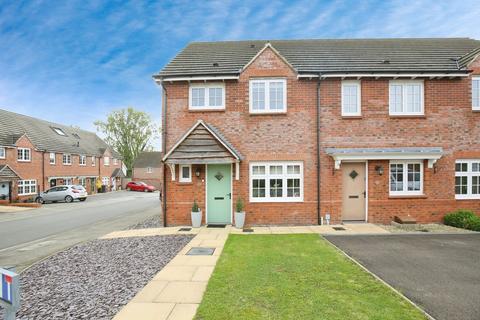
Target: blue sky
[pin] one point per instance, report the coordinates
(74, 61)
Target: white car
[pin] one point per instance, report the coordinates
(67, 193)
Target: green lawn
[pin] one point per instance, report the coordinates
(295, 277)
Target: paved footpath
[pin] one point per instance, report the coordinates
(177, 290)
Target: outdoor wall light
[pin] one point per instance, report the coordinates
(197, 172)
(379, 170)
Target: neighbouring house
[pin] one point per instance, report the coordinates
(36, 155)
(148, 167)
(305, 130)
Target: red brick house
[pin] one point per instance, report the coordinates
(305, 130)
(44, 154)
(148, 167)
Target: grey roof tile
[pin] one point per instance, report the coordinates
(148, 159)
(326, 55)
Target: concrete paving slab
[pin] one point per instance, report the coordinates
(182, 292)
(145, 311)
(183, 311)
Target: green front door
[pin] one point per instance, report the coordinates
(219, 193)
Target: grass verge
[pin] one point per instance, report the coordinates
(295, 277)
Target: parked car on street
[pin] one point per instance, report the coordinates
(67, 193)
(139, 186)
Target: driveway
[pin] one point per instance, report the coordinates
(31, 235)
(441, 273)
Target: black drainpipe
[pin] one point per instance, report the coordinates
(318, 150)
(164, 141)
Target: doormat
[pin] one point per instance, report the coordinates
(185, 229)
(247, 230)
(339, 228)
(216, 226)
(198, 251)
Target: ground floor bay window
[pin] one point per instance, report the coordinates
(276, 181)
(467, 179)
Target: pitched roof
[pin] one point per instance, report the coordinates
(148, 159)
(42, 134)
(7, 173)
(325, 55)
(118, 173)
(203, 143)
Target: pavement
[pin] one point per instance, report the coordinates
(177, 290)
(32, 235)
(439, 272)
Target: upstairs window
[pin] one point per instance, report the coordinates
(2, 153)
(268, 96)
(406, 177)
(207, 96)
(82, 160)
(24, 154)
(351, 98)
(476, 93)
(467, 179)
(406, 98)
(52, 157)
(115, 161)
(276, 182)
(67, 159)
(149, 169)
(93, 161)
(106, 161)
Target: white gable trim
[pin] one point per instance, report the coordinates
(268, 45)
(200, 122)
(199, 78)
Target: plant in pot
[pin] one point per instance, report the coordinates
(196, 215)
(239, 214)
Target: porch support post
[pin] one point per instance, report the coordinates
(171, 166)
(237, 170)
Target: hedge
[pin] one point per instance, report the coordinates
(464, 219)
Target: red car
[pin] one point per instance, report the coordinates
(139, 186)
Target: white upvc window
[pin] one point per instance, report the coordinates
(24, 154)
(476, 93)
(67, 159)
(93, 161)
(351, 98)
(83, 182)
(106, 161)
(2, 153)
(185, 173)
(115, 161)
(276, 181)
(82, 160)
(467, 179)
(406, 177)
(406, 97)
(207, 96)
(27, 187)
(268, 96)
(149, 169)
(105, 181)
(52, 158)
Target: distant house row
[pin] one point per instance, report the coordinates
(36, 155)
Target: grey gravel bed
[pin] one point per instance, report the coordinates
(152, 222)
(94, 280)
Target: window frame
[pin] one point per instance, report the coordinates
(50, 158)
(106, 161)
(403, 83)
(24, 158)
(405, 191)
(358, 86)
(284, 176)
(80, 162)
(469, 174)
(67, 156)
(180, 173)
(115, 161)
(3, 154)
(93, 159)
(267, 82)
(476, 107)
(27, 183)
(149, 170)
(206, 87)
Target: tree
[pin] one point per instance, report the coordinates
(129, 132)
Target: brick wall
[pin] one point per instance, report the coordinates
(154, 178)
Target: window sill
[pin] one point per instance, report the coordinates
(407, 116)
(277, 201)
(476, 110)
(24, 160)
(207, 110)
(472, 198)
(267, 113)
(352, 117)
(408, 196)
(185, 183)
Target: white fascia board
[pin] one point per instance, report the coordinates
(431, 157)
(209, 78)
(384, 75)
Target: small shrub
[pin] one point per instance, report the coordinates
(195, 207)
(239, 205)
(464, 219)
